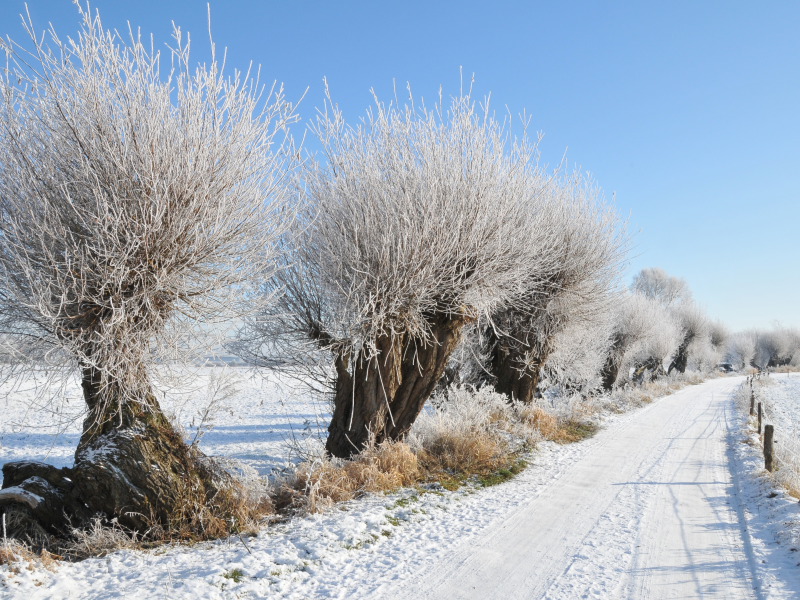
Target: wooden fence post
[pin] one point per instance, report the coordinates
(768, 435)
(759, 418)
(752, 402)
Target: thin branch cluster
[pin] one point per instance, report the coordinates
(413, 215)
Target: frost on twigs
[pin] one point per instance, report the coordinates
(138, 202)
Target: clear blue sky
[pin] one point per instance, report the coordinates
(689, 111)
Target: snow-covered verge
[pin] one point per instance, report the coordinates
(768, 508)
(356, 549)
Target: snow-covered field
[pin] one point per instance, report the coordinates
(782, 392)
(255, 425)
(380, 545)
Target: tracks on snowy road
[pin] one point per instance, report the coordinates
(652, 511)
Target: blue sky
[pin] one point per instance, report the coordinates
(688, 111)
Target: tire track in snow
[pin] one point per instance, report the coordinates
(646, 514)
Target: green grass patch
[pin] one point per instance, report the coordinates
(503, 474)
(575, 432)
(235, 574)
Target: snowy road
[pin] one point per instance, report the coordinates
(653, 511)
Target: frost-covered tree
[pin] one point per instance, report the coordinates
(707, 352)
(655, 283)
(695, 333)
(589, 248)
(136, 203)
(741, 350)
(776, 347)
(416, 222)
(644, 335)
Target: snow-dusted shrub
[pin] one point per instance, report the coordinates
(416, 223)
(318, 484)
(461, 432)
(461, 411)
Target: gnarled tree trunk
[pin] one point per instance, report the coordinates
(610, 371)
(654, 365)
(422, 367)
(362, 397)
(131, 463)
(383, 396)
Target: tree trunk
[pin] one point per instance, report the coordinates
(516, 374)
(131, 463)
(654, 365)
(382, 397)
(613, 363)
(610, 372)
(362, 397)
(422, 368)
(682, 357)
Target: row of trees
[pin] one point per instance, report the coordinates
(608, 338)
(421, 247)
(763, 349)
(416, 227)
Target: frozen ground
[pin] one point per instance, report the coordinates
(253, 425)
(782, 392)
(665, 501)
(662, 505)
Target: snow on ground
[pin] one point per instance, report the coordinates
(358, 548)
(783, 395)
(655, 509)
(771, 514)
(255, 425)
(375, 546)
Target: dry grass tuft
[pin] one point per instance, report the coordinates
(458, 454)
(539, 419)
(240, 503)
(99, 538)
(317, 485)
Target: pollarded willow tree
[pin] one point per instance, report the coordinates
(589, 249)
(416, 223)
(135, 206)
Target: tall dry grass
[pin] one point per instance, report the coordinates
(317, 485)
